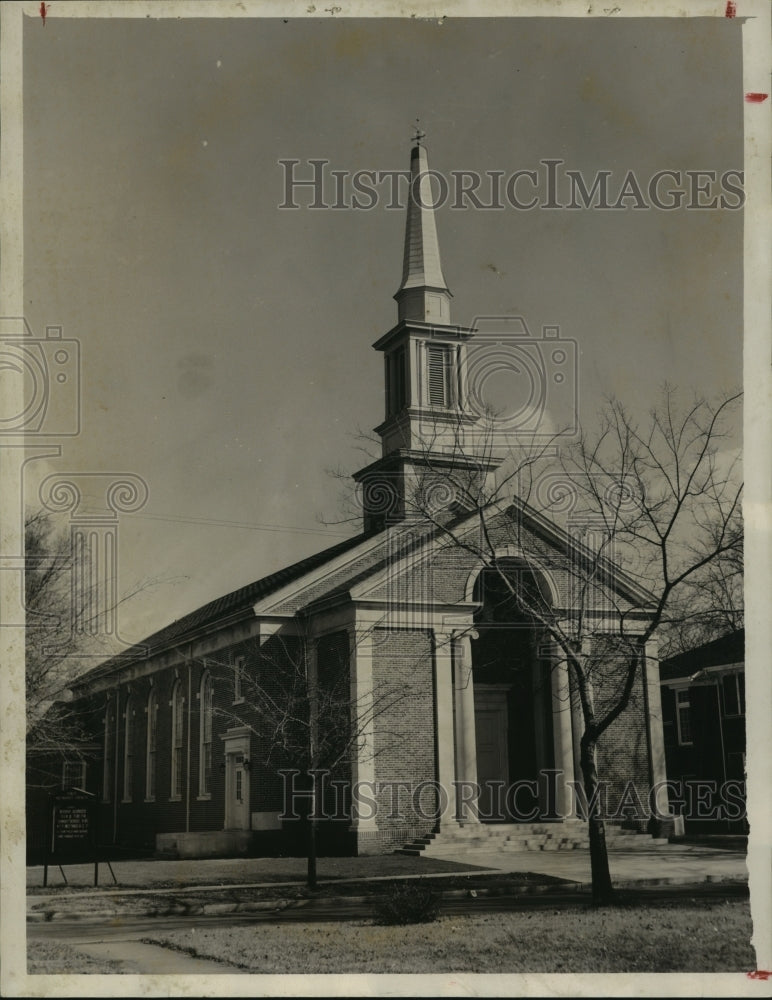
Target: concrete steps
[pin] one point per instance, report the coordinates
(510, 837)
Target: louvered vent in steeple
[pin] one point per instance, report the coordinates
(437, 375)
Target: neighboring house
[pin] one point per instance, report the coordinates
(703, 714)
(447, 681)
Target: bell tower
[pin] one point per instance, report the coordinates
(428, 464)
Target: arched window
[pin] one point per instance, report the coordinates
(178, 716)
(205, 736)
(152, 744)
(128, 750)
(239, 675)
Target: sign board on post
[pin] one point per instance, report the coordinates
(72, 830)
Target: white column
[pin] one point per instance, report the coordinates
(577, 722)
(415, 361)
(656, 740)
(363, 759)
(563, 737)
(443, 721)
(539, 696)
(466, 742)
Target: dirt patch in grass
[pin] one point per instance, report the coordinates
(52, 958)
(707, 936)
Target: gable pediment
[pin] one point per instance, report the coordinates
(418, 563)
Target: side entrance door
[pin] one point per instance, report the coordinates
(236, 792)
(237, 814)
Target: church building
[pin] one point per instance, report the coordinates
(399, 665)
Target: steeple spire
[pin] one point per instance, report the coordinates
(426, 434)
(423, 294)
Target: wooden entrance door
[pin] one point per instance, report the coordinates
(236, 792)
(491, 719)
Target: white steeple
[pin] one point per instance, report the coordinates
(424, 433)
(423, 294)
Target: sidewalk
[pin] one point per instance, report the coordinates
(140, 958)
(162, 887)
(672, 862)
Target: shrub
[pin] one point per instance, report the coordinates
(410, 903)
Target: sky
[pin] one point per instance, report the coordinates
(226, 343)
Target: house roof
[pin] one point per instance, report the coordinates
(727, 649)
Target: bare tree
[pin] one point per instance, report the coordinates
(711, 604)
(297, 697)
(62, 638)
(651, 512)
(54, 645)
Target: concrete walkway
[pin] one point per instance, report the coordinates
(668, 863)
(671, 862)
(152, 960)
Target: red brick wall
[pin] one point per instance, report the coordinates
(135, 823)
(443, 575)
(404, 735)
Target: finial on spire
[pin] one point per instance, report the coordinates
(418, 134)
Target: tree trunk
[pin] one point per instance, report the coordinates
(312, 823)
(602, 889)
(313, 758)
(311, 845)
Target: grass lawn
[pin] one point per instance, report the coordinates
(48, 958)
(688, 936)
(158, 873)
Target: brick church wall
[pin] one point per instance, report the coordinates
(132, 822)
(404, 734)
